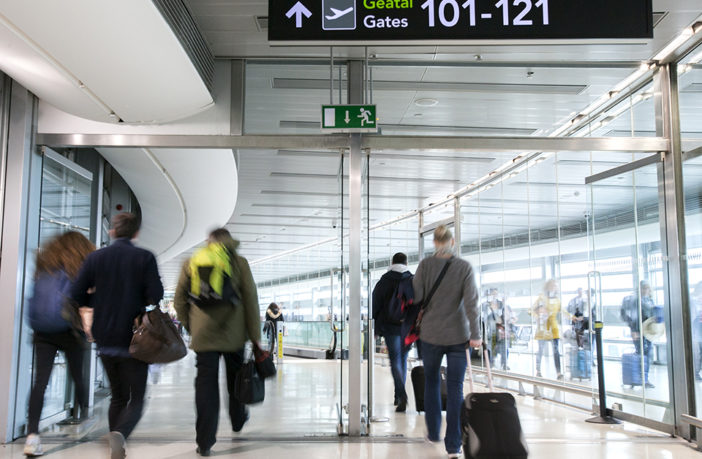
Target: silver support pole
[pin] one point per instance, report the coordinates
(371, 365)
(355, 377)
(97, 218)
(457, 224)
(421, 236)
(355, 95)
(675, 274)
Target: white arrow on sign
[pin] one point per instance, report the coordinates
(347, 119)
(298, 10)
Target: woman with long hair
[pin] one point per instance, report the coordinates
(546, 311)
(57, 265)
(449, 325)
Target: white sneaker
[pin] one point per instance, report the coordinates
(117, 445)
(32, 447)
(455, 455)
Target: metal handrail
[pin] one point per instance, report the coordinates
(566, 387)
(693, 421)
(538, 382)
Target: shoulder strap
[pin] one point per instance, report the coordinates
(425, 303)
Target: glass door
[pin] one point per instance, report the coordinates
(625, 252)
(66, 193)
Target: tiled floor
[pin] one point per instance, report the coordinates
(298, 421)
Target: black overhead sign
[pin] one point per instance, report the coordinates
(445, 21)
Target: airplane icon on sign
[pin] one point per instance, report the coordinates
(338, 13)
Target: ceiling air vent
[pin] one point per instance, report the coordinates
(311, 83)
(181, 21)
(261, 23)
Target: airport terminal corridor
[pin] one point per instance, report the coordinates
(298, 421)
(302, 168)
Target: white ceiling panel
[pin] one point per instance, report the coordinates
(126, 56)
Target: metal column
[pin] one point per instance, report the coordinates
(457, 225)
(20, 222)
(672, 206)
(355, 96)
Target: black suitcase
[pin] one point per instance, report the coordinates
(417, 376)
(490, 424)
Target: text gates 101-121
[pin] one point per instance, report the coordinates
(386, 21)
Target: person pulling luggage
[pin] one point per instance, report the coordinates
(450, 323)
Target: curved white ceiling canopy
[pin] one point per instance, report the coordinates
(106, 63)
(183, 193)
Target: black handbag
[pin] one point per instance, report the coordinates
(249, 387)
(264, 362)
(156, 339)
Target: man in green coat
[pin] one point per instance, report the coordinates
(217, 303)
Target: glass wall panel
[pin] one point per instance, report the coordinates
(632, 116)
(65, 205)
(627, 254)
(545, 301)
(692, 175)
(690, 76)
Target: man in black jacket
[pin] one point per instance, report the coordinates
(118, 282)
(387, 324)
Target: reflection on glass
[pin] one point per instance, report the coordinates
(545, 313)
(690, 73)
(627, 254)
(65, 206)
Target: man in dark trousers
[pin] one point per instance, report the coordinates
(219, 329)
(118, 282)
(387, 324)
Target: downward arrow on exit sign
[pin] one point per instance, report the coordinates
(349, 118)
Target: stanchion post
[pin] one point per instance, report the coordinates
(280, 332)
(603, 418)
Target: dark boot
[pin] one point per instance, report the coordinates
(401, 405)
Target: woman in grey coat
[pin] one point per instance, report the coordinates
(449, 325)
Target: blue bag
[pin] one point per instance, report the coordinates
(46, 304)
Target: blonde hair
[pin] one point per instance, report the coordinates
(442, 234)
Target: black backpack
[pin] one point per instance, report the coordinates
(402, 296)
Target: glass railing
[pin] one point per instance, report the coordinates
(317, 335)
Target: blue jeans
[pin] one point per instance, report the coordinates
(455, 374)
(542, 351)
(647, 352)
(398, 364)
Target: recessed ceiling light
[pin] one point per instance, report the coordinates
(426, 102)
(418, 115)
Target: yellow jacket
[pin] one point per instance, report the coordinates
(545, 313)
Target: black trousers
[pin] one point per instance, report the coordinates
(207, 395)
(45, 347)
(128, 385)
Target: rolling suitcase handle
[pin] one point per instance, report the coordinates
(487, 365)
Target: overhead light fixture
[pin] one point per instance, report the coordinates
(677, 42)
(578, 118)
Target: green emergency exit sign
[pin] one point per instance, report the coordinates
(349, 118)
